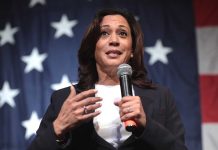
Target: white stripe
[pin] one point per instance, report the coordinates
(207, 45)
(210, 136)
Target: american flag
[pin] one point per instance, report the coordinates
(39, 40)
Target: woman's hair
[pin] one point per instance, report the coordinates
(88, 75)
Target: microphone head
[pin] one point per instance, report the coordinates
(124, 69)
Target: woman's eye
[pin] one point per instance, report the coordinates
(104, 33)
(123, 34)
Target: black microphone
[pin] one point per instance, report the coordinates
(125, 72)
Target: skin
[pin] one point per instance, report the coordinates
(113, 48)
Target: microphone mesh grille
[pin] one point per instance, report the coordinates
(124, 69)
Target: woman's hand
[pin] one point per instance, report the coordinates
(131, 109)
(75, 110)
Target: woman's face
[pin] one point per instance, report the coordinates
(114, 46)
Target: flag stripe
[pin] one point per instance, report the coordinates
(210, 136)
(209, 98)
(207, 44)
(206, 12)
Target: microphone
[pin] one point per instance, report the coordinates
(125, 72)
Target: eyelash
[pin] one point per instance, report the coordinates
(104, 33)
(121, 33)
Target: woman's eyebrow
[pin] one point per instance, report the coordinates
(120, 26)
(104, 26)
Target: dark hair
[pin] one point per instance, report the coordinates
(88, 75)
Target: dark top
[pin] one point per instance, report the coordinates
(164, 129)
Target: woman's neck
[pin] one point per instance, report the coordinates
(107, 77)
(107, 81)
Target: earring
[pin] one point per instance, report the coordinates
(131, 55)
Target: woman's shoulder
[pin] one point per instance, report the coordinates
(160, 96)
(61, 94)
(156, 88)
(159, 93)
(64, 92)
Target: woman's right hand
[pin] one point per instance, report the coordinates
(75, 110)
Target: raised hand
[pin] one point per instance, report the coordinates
(75, 110)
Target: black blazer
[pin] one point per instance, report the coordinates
(164, 129)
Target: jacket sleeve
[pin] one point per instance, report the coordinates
(45, 137)
(164, 129)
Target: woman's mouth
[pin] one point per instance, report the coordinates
(113, 53)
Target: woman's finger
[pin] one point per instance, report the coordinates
(89, 101)
(85, 94)
(89, 109)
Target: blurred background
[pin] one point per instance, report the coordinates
(39, 40)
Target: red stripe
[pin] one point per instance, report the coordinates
(209, 98)
(206, 12)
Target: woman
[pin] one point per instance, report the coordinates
(90, 115)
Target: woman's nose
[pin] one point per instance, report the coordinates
(114, 40)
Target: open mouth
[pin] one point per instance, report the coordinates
(113, 53)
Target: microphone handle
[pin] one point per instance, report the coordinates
(126, 90)
(125, 85)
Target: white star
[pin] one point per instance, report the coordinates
(7, 35)
(158, 53)
(31, 125)
(7, 95)
(64, 27)
(64, 83)
(34, 2)
(34, 61)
